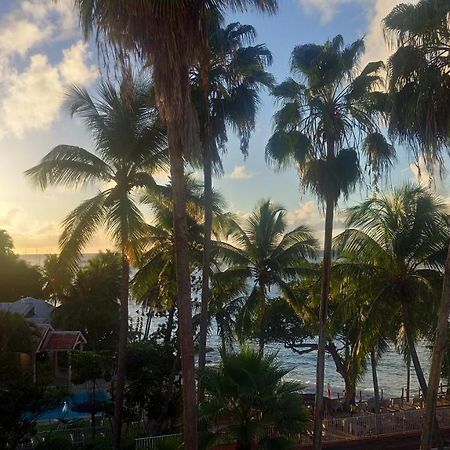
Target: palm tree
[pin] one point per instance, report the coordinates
(6, 243)
(130, 142)
(56, 278)
(398, 242)
(167, 35)
(246, 398)
(332, 107)
(226, 83)
(263, 253)
(419, 89)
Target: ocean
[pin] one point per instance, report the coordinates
(392, 371)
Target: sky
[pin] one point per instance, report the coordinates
(42, 53)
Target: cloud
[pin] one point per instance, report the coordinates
(376, 47)
(309, 214)
(326, 9)
(31, 86)
(239, 173)
(375, 11)
(31, 99)
(73, 67)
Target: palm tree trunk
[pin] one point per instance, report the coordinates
(122, 354)
(439, 348)
(183, 292)
(323, 314)
(417, 367)
(207, 189)
(207, 173)
(376, 389)
(169, 326)
(408, 378)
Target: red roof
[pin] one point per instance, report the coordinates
(62, 340)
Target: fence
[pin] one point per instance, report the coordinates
(381, 424)
(356, 427)
(150, 442)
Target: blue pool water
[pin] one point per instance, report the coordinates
(65, 411)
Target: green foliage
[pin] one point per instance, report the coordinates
(394, 251)
(21, 403)
(261, 251)
(130, 143)
(55, 441)
(152, 385)
(246, 397)
(418, 78)
(91, 305)
(89, 366)
(15, 333)
(17, 278)
(56, 278)
(330, 107)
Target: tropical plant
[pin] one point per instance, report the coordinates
(226, 83)
(324, 119)
(395, 246)
(419, 90)
(56, 278)
(248, 402)
(130, 143)
(6, 243)
(91, 304)
(168, 36)
(262, 253)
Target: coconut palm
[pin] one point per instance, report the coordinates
(167, 35)
(226, 83)
(419, 88)
(398, 241)
(246, 398)
(262, 253)
(6, 243)
(130, 143)
(324, 119)
(56, 278)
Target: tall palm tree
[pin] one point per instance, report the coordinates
(262, 253)
(130, 143)
(167, 35)
(226, 83)
(248, 392)
(331, 108)
(398, 242)
(419, 89)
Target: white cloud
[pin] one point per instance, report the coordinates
(239, 173)
(31, 99)
(73, 67)
(326, 9)
(375, 10)
(376, 47)
(31, 86)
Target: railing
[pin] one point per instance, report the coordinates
(380, 424)
(150, 442)
(82, 435)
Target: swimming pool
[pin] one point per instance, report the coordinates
(67, 409)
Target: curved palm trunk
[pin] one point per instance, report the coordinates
(184, 292)
(122, 354)
(417, 367)
(376, 389)
(206, 270)
(436, 361)
(323, 314)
